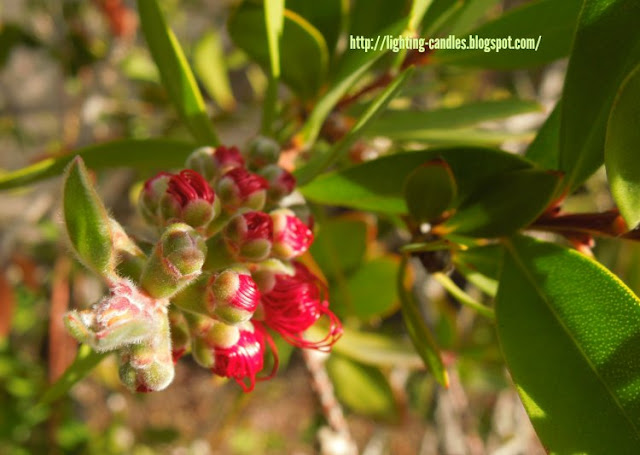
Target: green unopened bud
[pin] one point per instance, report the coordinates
(264, 273)
(148, 366)
(175, 262)
(263, 151)
(208, 334)
(124, 317)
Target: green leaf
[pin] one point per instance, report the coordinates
(86, 220)
(621, 149)
(467, 17)
(418, 9)
(328, 16)
(552, 22)
(606, 48)
(458, 137)
(313, 168)
(375, 349)
(507, 203)
(340, 246)
(430, 190)
(274, 23)
(545, 148)
(377, 185)
(350, 69)
(398, 123)
(300, 42)
(419, 333)
(570, 330)
(372, 290)
(363, 389)
(369, 18)
(141, 154)
(175, 73)
(210, 67)
(86, 360)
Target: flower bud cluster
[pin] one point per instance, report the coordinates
(222, 277)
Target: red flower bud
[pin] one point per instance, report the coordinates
(291, 237)
(188, 198)
(295, 303)
(239, 188)
(233, 296)
(263, 151)
(212, 163)
(151, 195)
(249, 236)
(281, 182)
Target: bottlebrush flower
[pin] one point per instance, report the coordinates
(291, 237)
(243, 360)
(249, 236)
(240, 188)
(295, 303)
(175, 261)
(212, 163)
(232, 296)
(281, 182)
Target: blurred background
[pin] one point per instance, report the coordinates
(76, 73)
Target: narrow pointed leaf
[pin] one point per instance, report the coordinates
(312, 169)
(141, 154)
(507, 203)
(430, 190)
(86, 360)
(599, 63)
(569, 331)
(621, 149)
(210, 67)
(327, 16)
(349, 70)
(175, 72)
(300, 42)
(86, 220)
(419, 333)
(377, 185)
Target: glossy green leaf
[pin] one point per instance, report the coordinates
(328, 16)
(377, 185)
(340, 246)
(300, 42)
(507, 203)
(418, 10)
(429, 190)
(605, 50)
(371, 288)
(621, 149)
(274, 23)
(211, 69)
(86, 220)
(363, 389)
(458, 137)
(419, 333)
(86, 360)
(375, 349)
(552, 22)
(570, 330)
(142, 154)
(314, 167)
(369, 18)
(175, 73)
(545, 148)
(398, 123)
(350, 69)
